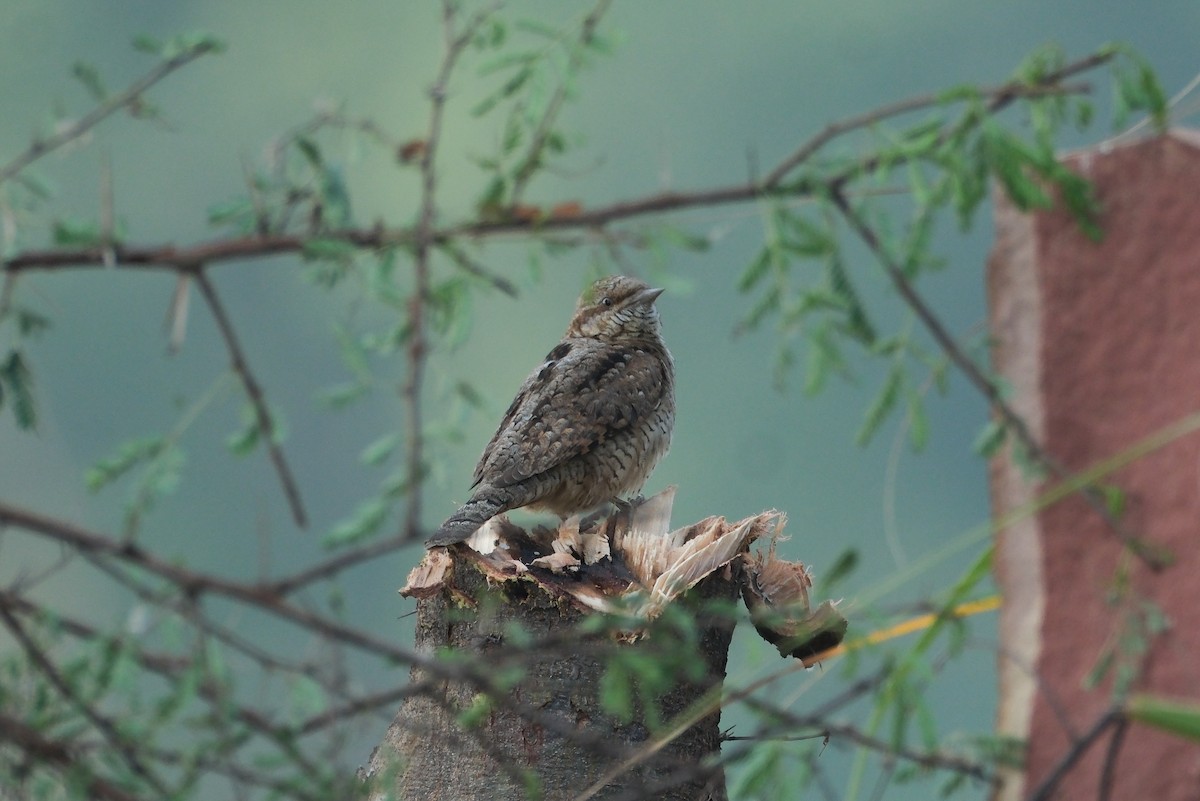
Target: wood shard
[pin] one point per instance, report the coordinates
(557, 562)
(776, 593)
(568, 540)
(600, 563)
(430, 574)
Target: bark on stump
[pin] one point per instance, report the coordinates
(1101, 343)
(551, 723)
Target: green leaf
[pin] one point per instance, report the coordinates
(918, 422)
(342, 395)
(311, 152)
(378, 451)
(30, 323)
(335, 198)
(1084, 113)
(682, 238)
(89, 76)
(365, 521)
(35, 184)
(491, 34)
(184, 689)
(843, 566)
(805, 238)
(510, 88)
(306, 698)
(1114, 499)
(354, 354)
(147, 44)
(821, 357)
(16, 387)
(337, 251)
(927, 727)
(539, 28)
(129, 455)
(883, 404)
(920, 139)
(916, 245)
(755, 271)
(450, 306)
(760, 773)
(990, 438)
(178, 45)
(858, 325)
(72, 232)
(616, 691)
(768, 304)
(1138, 89)
(1175, 716)
(1010, 161)
(1080, 198)
(238, 212)
(477, 712)
(191, 42)
(470, 395)
(243, 442)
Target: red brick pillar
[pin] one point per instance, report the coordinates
(1101, 343)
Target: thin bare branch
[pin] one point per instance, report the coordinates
(342, 561)
(784, 721)
(267, 429)
(129, 97)
(195, 257)
(1078, 748)
(1109, 774)
(469, 265)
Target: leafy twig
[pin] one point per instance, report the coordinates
(223, 250)
(424, 239)
(989, 390)
(129, 97)
(1002, 95)
(537, 144)
(56, 752)
(127, 750)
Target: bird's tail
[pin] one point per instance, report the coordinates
(471, 515)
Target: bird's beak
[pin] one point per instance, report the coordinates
(648, 296)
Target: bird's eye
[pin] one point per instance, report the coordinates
(606, 301)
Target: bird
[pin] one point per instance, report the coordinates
(589, 424)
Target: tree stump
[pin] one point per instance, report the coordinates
(586, 662)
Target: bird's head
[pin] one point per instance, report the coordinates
(615, 309)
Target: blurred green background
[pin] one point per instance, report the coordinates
(697, 94)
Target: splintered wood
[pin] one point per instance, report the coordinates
(631, 560)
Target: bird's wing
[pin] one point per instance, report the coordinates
(584, 393)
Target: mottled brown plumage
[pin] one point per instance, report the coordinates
(589, 424)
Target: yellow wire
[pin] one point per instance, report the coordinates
(918, 623)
